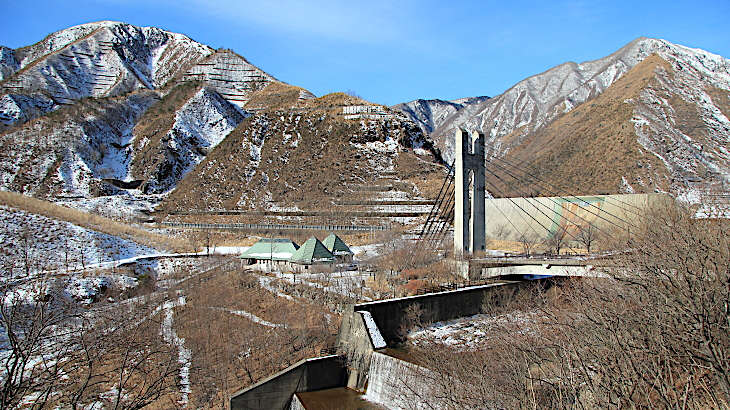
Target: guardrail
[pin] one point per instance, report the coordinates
(331, 214)
(452, 286)
(278, 227)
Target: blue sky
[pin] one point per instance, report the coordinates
(398, 50)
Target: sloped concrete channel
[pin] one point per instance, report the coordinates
(365, 373)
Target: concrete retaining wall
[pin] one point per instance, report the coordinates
(276, 391)
(354, 342)
(390, 315)
(505, 220)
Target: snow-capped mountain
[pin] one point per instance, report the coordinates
(111, 58)
(109, 108)
(692, 81)
(430, 114)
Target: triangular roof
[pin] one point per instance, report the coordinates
(312, 251)
(278, 249)
(337, 246)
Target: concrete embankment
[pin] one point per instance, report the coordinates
(368, 329)
(276, 392)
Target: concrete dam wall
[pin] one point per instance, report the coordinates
(506, 217)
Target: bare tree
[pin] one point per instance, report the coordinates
(557, 239)
(35, 349)
(528, 243)
(587, 236)
(654, 335)
(500, 231)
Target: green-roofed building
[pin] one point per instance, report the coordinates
(312, 252)
(275, 251)
(338, 247)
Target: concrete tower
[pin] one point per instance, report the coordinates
(469, 222)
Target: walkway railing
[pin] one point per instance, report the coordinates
(278, 227)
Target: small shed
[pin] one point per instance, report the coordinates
(273, 251)
(312, 252)
(339, 248)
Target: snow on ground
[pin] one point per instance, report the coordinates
(388, 146)
(85, 289)
(470, 332)
(403, 208)
(127, 205)
(363, 252)
(394, 195)
(53, 244)
(279, 208)
(346, 283)
(184, 354)
(375, 336)
(265, 282)
(229, 250)
(253, 318)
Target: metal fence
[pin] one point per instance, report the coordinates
(453, 286)
(279, 227)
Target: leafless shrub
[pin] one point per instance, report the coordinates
(557, 239)
(655, 334)
(60, 355)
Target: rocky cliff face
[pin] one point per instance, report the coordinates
(8, 63)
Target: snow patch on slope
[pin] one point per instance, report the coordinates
(89, 144)
(51, 244)
(200, 125)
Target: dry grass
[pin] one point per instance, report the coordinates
(594, 145)
(721, 99)
(504, 245)
(276, 96)
(91, 221)
(322, 167)
(332, 103)
(426, 175)
(230, 351)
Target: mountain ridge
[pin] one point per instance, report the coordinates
(171, 103)
(108, 108)
(511, 118)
